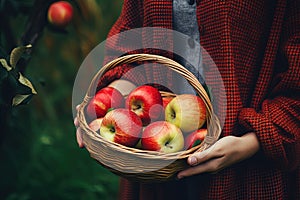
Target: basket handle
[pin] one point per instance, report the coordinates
(175, 66)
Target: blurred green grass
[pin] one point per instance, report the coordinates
(39, 155)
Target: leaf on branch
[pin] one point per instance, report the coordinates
(21, 99)
(17, 53)
(3, 74)
(5, 65)
(15, 89)
(26, 82)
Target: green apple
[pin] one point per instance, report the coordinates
(187, 112)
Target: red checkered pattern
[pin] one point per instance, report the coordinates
(256, 46)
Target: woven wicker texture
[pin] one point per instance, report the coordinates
(137, 164)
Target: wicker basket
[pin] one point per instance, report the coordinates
(137, 164)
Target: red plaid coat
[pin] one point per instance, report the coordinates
(256, 46)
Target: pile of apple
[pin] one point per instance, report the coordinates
(141, 117)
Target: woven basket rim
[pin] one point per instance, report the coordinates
(213, 124)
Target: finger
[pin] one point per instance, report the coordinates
(77, 107)
(76, 123)
(210, 166)
(79, 138)
(198, 157)
(201, 157)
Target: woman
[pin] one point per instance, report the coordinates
(256, 47)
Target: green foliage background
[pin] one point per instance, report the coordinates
(39, 155)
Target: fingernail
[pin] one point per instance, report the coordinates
(81, 145)
(193, 161)
(179, 177)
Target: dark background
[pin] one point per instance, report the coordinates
(39, 156)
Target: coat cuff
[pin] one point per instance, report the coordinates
(271, 143)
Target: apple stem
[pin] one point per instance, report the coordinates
(173, 115)
(136, 107)
(167, 145)
(112, 129)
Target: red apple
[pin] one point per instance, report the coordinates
(121, 126)
(166, 101)
(146, 102)
(95, 124)
(162, 136)
(103, 100)
(60, 14)
(186, 111)
(195, 138)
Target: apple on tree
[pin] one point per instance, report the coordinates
(146, 102)
(60, 14)
(162, 136)
(186, 111)
(121, 126)
(195, 138)
(104, 99)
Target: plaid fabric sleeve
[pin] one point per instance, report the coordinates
(131, 17)
(277, 124)
(128, 190)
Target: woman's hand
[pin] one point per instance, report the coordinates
(225, 152)
(78, 131)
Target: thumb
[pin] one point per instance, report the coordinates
(203, 156)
